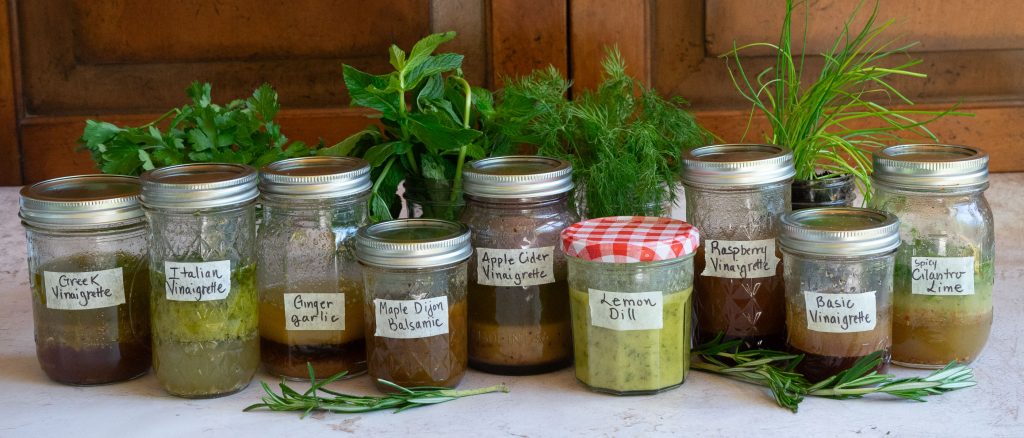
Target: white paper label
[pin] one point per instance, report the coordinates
(739, 258)
(314, 311)
(408, 319)
(840, 313)
(515, 267)
(204, 281)
(84, 290)
(942, 275)
(626, 311)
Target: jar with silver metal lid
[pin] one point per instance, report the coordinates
(87, 243)
(310, 284)
(838, 269)
(415, 280)
(203, 264)
(516, 208)
(945, 266)
(735, 195)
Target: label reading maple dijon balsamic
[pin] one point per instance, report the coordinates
(84, 290)
(409, 319)
(740, 258)
(840, 313)
(203, 281)
(942, 275)
(309, 311)
(515, 267)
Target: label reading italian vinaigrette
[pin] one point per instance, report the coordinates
(84, 290)
(311, 311)
(942, 275)
(515, 267)
(626, 311)
(740, 258)
(203, 281)
(409, 319)
(840, 313)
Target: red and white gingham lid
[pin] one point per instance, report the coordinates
(630, 239)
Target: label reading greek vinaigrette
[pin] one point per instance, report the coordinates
(408, 319)
(84, 290)
(840, 313)
(942, 275)
(626, 311)
(515, 267)
(203, 281)
(740, 258)
(314, 311)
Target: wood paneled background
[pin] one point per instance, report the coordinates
(62, 61)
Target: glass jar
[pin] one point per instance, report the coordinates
(838, 269)
(432, 198)
(87, 243)
(945, 267)
(735, 195)
(415, 280)
(630, 280)
(516, 207)
(310, 284)
(203, 268)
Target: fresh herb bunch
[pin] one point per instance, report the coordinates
(625, 142)
(243, 131)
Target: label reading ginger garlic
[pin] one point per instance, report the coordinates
(311, 311)
(840, 313)
(515, 267)
(739, 258)
(942, 276)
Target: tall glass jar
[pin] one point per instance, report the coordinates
(203, 268)
(310, 284)
(87, 244)
(415, 280)
(945, 267)
(630, 281)
(735, 195)
(838, 269)
(516, 207)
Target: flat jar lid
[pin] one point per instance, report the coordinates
(316, 177)
(840, 231)
(931, 166)
(413, 243)
(630, 239)
(738, 164)
(517, 176)
(199, 186)
(83, 201)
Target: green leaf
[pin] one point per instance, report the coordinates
(121, 161)
(378, 154)
(362, 86)
(355, 145)
(436, 136)
(433, 167)
(147, 162)
(397, 57)
(425, 47)
(475, 151)
(264, 102)
(200, 93)
(97, 133)
(432, 65)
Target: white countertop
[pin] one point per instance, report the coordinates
(546, 405)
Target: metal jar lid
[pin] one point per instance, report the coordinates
(931, 166)
(316, 177)
(840, 231)
(413, 243)
(83, 201)
(738, 165)
(199, 186)
(517, 176)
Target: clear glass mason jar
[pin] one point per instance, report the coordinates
(416, 310)
(87, 243)
(432, 199)
(735, 195)
(945, 268)
(516, 208)
(630, 281)
(838, 270)
(310, 284)
(203, 269)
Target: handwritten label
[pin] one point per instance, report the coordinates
(204, 281)
(739, 258)
(626, 311)
(409, 319)
(515, 267)
(84, 290)
(942, 275)
(314, 311)
(840, 313)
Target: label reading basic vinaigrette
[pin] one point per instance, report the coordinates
(740, 258)
(515, 267)
(314, 311)
(203, 281)
(84, 290)
(840, 313)
(408, 319)
(626, 311)
(942, 275)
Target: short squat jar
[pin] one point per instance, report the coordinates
(945, 267)
(630, 281)
(310, 284)
(203, 269)
(87, 244)
(838, 271)
(735, 196)
(415, 293)
(516, 207)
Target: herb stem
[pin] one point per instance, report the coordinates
(403, 123)
(457, 186)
